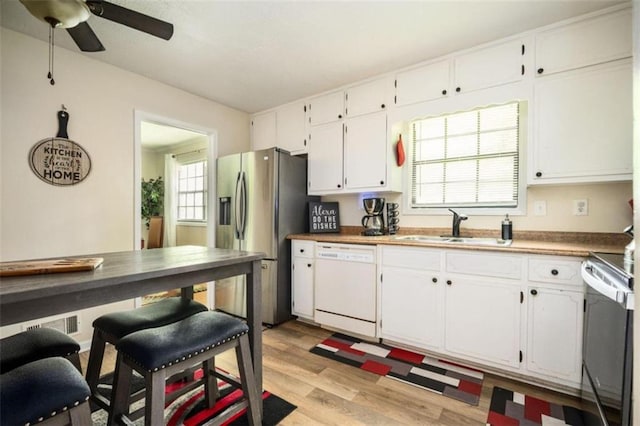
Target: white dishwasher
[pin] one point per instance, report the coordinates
(345, 287)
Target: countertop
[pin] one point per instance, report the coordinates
(577, 244)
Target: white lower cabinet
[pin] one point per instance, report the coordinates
(515, 313)
(415, 320)
(302, 260)
(554, 333)
(482, 319)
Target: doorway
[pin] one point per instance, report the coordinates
(179, 158)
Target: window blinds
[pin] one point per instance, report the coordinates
(467, 158)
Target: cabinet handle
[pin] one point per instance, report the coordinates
(444, 92)
(301, 250)
(540, 70)
(308, 265)
(381, 182)
(534, 291)
(458, 89)
(449, 282)
(339, 186)
(305, 142)
(382, 106)
(538, 174)
(434, 279)
(554, 272)
(339, 115)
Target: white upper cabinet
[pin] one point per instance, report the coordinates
(489, 67)
(291, 127)
(326, 108)
(596, 40)
(423, 84)
(365, 152)
(366, 98)
(324, 160)
(263, 131)
(583, 125)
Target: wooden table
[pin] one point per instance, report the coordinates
(129, 274)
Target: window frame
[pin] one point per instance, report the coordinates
(204, 192)
(523, 136)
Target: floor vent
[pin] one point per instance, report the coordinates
(68, 325)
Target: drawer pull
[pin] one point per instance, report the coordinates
(308, 265)
(534, 292)
(449, 282)
(554, 272)
(434, 279)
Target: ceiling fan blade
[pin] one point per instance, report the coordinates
(85, 38)
(131, 18)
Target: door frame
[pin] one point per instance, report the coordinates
(212, 154)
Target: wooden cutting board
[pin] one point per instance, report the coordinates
(33, 267)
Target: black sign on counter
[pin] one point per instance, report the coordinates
(324, 217)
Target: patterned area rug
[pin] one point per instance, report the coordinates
(452, 380)
(510, 408)
(190, 409)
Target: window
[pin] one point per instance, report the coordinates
(192, 191)
(466, 159)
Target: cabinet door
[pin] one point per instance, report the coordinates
(366, 98)
(411, 307)
(263, 131)
(302, 287)
(291, 127)
(365, 151)
(601, 39)
(482, 320)
(326, 108)
(554, 333)
(489, 67)
(423, 84)
(583, 125)
(324, 161)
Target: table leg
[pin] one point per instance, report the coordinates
(254, 320)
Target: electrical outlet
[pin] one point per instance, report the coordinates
(540, 208)
(581, 207)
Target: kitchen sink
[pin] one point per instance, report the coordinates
(480, 241)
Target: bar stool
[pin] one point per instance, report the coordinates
(35, 344)
(47, 391)
(158, 353)
(112, 327)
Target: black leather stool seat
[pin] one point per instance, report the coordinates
(166, 311)
(42, 389)
(32, 345)
(157, 348)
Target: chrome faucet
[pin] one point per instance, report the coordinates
(457, 218)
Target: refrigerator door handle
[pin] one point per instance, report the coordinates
(237, 207)
(242, 201)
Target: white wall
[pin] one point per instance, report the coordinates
(40, 220)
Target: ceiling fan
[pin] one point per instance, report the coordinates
(73, 14)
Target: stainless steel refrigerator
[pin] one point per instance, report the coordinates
(262, 197)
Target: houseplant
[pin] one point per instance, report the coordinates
(152, 198)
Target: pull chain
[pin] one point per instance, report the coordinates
(51, 51)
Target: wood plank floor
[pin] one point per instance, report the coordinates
(327, 392)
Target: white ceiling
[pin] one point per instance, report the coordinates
(254, 55)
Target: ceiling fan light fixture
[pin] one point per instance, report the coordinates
(59, 13)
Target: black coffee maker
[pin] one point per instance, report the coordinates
(373, 221)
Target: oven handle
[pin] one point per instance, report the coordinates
(606, 290)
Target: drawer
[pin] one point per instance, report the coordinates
(555, 270)
(484, 264)
(302, 248)
(414, 258)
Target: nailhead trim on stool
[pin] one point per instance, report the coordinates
(110, 328)
(158, 352)
(43, 389)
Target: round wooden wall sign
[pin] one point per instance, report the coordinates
(60, 161)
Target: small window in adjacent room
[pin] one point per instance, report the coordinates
(192, 191)
(467, 159)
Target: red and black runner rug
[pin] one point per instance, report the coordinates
(436, 375)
